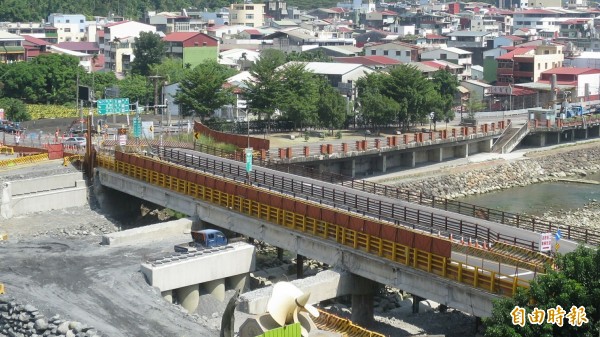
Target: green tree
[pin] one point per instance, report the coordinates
(575, 282)
(14, 109)
(138, 89)
(201, 91)
(377, 109)
(474, 105)
(331, 106)
(170, 69)
(446, 84)
(308, 56)
(263, 90)
(149, 50)
(98, 81)
(299, 96)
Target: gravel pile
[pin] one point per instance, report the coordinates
(25, 321)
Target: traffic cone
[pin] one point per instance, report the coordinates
(451, 240)
(469, 242)
(462, 240)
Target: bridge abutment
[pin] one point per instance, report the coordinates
(485, 145)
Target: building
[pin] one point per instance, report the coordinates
(38, 30)
(454, 55)
(82, 47)
(526, 64)
(547, 19)
(116, 44)
(586, 81)
(11, 48)
(70, 27)
(168, 23)
(85, 60)
(400, 51)
(468, 39)
(247, 14)
(373, 62)
(380, 20)
(34, 47)
(191, 48)
(276, 9)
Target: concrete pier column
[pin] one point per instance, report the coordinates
(558, 134)
(408, 159)
(435, 155)
(362, 301)
(415, 303)
(573, 135)
(216, 288)
(299, 266)
(167, 295)
(237, 282)
(382, 164)
(542, 140)
(485, 145)
(279, 253)
(461, 151)
(189, 297)
(348, 168)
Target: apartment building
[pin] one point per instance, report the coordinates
(251, 15)
(11, 48)
(526, 64)
(69, 27)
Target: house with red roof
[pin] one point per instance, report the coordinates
(578, 78)
(191, 48)
(34, 47)
(526, 64)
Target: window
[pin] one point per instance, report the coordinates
(408, 54)
(249, 16)
(372, 51)
(234, 16)
(203, 44)
(68, 21)
(546, 52)
(539, 66)
(546, 65)
(385, 52)
(67, 30)
(81, 21)
(443, 56)
(398, 53)
(81, 30)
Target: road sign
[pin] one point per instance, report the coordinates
(556, 246)
(137, 127)
(558, 235)
(113, 106)
(545, 242)
(249, 152)
(196, 135)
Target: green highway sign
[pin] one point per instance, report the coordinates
(137, 127)
(249, 159)
(113, 106)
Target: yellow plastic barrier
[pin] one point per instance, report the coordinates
(6, 150)
(71, 159)
(331, 322)
(3, 237)
(24, 160)
(460, 272)
(1, 288)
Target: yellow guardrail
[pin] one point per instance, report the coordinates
(71, 159)
(1, 288)
(473, 276)
(6, 150)
(24, 160)
(331, 322)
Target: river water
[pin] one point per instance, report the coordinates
(539, 198)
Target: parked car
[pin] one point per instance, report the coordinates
(75, 141)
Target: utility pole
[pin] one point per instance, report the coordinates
(155, 79)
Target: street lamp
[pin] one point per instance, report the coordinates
(431, 116)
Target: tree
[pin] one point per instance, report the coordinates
(148, 49)
(99, 81)
(263, 90)
(298, 100)
(474, 105)
(14, 109)
(331, 106)
(170, 69)
(308, 56)
(446, 84)
(201, 91)
(137, 88)
(377, 109)
(575, 282)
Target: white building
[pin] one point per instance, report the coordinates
(117, 43)
(455, 55)
(247, 14)
(70, 27)
(85, 60)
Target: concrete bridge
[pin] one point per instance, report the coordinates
(368, 247)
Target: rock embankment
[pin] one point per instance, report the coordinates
(574, 163)
(17, 320)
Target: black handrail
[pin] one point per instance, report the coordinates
(382, 210)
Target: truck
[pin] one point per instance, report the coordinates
(205, 238)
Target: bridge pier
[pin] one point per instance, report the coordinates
(299, 266)
(461, 151)
(382, 164)
(216, 288)
(485, 145)
(279, 254)
(415, 303)
(436, 155)
(167, 295)
(581, 133)
(189, 297)
(362, 301)
(408, 159)
(594, 131)
(348, 168)
(237, 282)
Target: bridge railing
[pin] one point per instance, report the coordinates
(381, 210)
(152, 171)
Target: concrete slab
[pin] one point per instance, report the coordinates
(150, 232)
